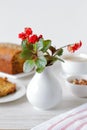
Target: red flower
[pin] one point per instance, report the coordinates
(28, 31)
(80, 43)
(40, 36)
(32, 39)
(27, 35)
(22, 35)
(73, 48)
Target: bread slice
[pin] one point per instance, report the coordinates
(6, 87)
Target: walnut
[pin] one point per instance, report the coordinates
(79, 81)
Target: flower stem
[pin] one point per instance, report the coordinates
(62, 48)
(65, 46)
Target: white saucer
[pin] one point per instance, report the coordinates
(15, 76)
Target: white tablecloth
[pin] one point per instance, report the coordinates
(20, 114)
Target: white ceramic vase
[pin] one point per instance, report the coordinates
(44, 91)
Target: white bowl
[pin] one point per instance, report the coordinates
(78, 90)
(74, 64)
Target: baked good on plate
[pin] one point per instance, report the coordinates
(10, 60)
(6, 87)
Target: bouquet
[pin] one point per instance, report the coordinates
(40, 53)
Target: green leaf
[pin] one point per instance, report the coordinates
(41, 62)
(28, 66)
(55, 59)
(26, 50)
(59, 52)
(26, 54)
(46, 45)
(34, 48)
(60, 59)
(24, 44)
(51, 59)
(40, 53)
(39, 70)
(39, 44)
(30, 47)
(52, 49)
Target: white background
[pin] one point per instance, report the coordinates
(62, 21)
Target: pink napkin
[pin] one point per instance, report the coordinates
(75, 119)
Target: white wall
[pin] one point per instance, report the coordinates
(62, 21)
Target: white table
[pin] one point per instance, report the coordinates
(21, 115)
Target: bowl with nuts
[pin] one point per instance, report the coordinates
(78, 85)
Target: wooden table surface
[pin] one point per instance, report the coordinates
(21, 115)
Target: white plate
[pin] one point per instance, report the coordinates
(20, 91)
(15, 76)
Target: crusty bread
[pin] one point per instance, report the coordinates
(10, 60)
(6, 87)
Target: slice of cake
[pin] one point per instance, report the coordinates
(10, 59)
(6, 87)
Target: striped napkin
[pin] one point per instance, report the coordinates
(75, 119)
